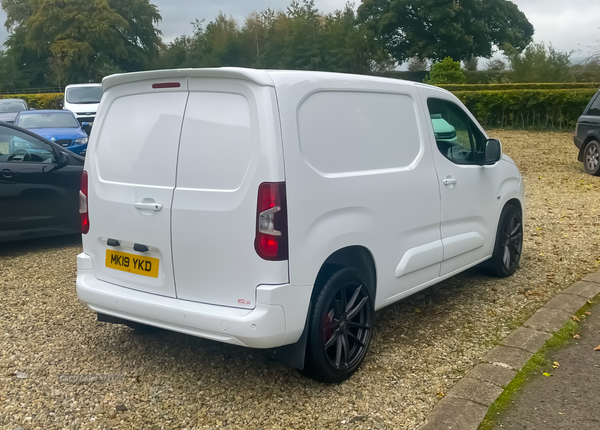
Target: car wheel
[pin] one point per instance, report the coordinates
(591, 158)
(509, 243)
(340, 328)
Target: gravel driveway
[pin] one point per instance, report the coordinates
(421, 347)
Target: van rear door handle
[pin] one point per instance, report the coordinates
(147, 206)
(450, 181)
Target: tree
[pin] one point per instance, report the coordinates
(446, 71)
(497, 65)
(436, 29)
(416, 64)
(538, 63)
(87, 39)
(471, 64)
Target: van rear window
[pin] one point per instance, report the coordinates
(357, 131)
(138, 139)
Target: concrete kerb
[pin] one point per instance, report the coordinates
(466, 404)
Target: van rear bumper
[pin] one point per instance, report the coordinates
(278, 318)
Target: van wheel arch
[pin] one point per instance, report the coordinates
(357, 257)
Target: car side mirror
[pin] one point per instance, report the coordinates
(63, 159)
(492, 152)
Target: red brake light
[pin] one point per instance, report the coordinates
(166, 85)
(83, 204)
(271, 241)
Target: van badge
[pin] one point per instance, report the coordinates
(244, 302)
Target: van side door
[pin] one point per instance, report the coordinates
(469, 191)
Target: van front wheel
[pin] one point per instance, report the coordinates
(341, 325)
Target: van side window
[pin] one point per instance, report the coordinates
(345, 131)
(456, 136)
(594, 109)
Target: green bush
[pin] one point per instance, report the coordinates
(447, 71)
(548, 109)
(491, 87)
(39, 101)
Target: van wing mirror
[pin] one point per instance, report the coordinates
(492, 152)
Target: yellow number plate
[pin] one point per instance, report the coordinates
(131, 263)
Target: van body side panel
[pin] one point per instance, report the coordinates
(359, 171)
(230, 144)
(131, 160)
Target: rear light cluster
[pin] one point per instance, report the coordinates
(271, 222)
(83, 204)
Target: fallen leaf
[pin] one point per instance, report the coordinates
(546, 374)
(440, 394)
(556, 363)
(588, 313)
(575, 318)
(561, 413)
(418, 310)
(576, 337)
(597, 348)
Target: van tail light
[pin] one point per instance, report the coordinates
(83, 204)
(271, 241)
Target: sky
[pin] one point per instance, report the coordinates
(568, 25)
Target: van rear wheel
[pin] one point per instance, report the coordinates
(341, 326)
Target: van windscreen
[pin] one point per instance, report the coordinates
(84, 95)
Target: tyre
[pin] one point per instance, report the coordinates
(340, 327)
(509, 243)
(591, 158)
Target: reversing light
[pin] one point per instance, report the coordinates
(271, 241)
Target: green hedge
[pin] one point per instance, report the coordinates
(548, 109)
(515, 106)
(503, 87)
(39, 101)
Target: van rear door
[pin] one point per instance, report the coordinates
(131, 168)
(230, 144)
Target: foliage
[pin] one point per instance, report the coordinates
(80, 41)
(39, 101)
(416, 64)
(436, 29)
(538, 63)
(503, 87)
(496, 64)
(300, 38)
(471, 64)
(447, 71)
(553, 109)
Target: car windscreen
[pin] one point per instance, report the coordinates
(11, 106)
(47, 120)
(84, 95)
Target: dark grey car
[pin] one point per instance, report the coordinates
(587, 136)
(9, 108)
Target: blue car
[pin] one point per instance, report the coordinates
(57, 126)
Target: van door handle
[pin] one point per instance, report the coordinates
(8, 173)
(450, 181)
(147, 206)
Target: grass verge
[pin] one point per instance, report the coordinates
(537, 364)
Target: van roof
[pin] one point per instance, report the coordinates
(265, 78)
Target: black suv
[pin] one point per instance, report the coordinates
(587, 136)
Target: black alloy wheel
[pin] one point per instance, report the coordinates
(509, 243)
(341, 326)
(591, 158)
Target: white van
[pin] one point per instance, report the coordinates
(274, 208)
(83, 100)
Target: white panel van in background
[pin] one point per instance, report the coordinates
(282, 209)
(83, 100)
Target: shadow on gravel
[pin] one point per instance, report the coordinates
(14, 249)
